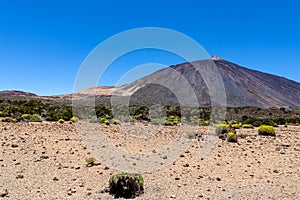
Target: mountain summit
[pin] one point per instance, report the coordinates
(243, 86)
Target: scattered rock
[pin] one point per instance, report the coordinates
(4, 193)
(19, 176)
(14, 145)
(173, 196)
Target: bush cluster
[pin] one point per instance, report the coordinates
(266, 130)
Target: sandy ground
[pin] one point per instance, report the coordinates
(47, 161)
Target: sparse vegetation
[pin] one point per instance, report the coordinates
(73, 119)
(90, 161)
(247, 126)
(116, 121)
(126, 185)
(35, 118)
(236, 126)
(232, 137)
(221, 128)
(61, 121)
(266, 130)
(103, 120)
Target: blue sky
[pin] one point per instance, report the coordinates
(43, 43)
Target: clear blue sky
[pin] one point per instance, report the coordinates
(43, 43)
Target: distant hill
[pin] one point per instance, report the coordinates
(243, 87)
(16, 93)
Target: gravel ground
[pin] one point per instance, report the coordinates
(47, 161)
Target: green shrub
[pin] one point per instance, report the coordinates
(206, 123)
(26, 117)
(171, 121)
(221, 128)
(104, 121)
(1, 114)
(73, 119)
(5, 119)
(35, 118)
(61, 121)
(236, 126)
(116, 121)
(266, 130)
(90, 161)
(14, 120)
(232, 137)
(247, 126)
(126, 185)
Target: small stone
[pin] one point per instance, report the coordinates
(275, 171)
(106, 168)
(177, 178)
(165, 157)
(88, 194)
(19, 176)
(173, 196)
(285, 145)
(44, 157)
(218, 179)
(4, 193)
(55, 179)
(186, 165)
(14, 145)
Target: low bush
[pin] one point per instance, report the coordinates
(35, 118)
(126, 185)
(25, 117)
(5, 119)
(266, 130)
(232, 137)
(104, 121)
(73, 119)
(171, 121)
(206, 123)
(116, 121)
(221, 128)
(247, 126)
(90, 161)
(236, 126)
(61, 121)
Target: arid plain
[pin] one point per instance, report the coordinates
(47, 161)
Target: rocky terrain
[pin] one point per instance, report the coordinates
(47, 161)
